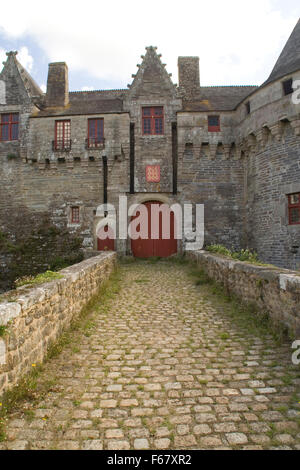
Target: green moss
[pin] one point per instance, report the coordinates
(224, 336)
(3, 330)
(39, 279)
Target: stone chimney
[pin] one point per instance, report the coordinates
(189, 75)
(57, 85)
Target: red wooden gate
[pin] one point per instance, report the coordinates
(108, 244)
(146, 248)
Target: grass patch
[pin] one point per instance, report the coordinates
(246, 255)
(154, 259)
(26, 389)
(142, 281)
(29, 415)
(178, 259)
(39, 279)
(126, 259)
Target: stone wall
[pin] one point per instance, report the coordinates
(36, 317)
(268, 140)
(272, 174)
(209, 173)
(273, 290)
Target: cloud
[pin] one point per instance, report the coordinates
(25, 58)
(87, 88)
(238, 42)
(43, 88)
(2, 57)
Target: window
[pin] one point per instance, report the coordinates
(294, 208)
(9, 127)
(248, 107)
(75, 215)
(62, 135)
(153, 120)
(214, 124)
(95, 133)
(288, 87)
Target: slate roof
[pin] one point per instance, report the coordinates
(289, 59)
(31, 86)
(218, 98)
(208, 99)
(87, 102)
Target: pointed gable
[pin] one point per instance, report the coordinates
(289, 59)
(152, 79)
(19, 85)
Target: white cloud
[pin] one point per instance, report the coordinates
(2, 57)
(25, 58)
(238, 42)
(43, 88)
(87, 88)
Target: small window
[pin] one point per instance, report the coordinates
(9, 127)
(288, 87)
(62, 135)
(75, 215)
(153, 120)
(95, 133)
(248, 107)
(214, 124)
(294, 208)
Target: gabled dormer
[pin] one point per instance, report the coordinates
(151, 79)
(17, 87)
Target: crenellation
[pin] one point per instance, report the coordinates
(239, 169)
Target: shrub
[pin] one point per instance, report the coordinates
(242, 255)
(246, 255)
(222, 250)
(12, 156)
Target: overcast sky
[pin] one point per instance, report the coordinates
(238, 42)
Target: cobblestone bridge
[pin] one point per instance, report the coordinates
(162, 365)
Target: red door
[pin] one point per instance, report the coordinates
(146, 248)
(108, 244)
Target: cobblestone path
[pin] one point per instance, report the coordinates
(163, 367)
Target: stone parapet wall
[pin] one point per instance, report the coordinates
(274, 290)
(35, 317)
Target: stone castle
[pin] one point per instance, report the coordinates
(235, 149)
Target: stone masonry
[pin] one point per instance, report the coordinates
(274, 291)
(243, 171)
(163, 366)
(35, 317)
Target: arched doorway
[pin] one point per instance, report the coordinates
(147, 248)
(108, 243)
